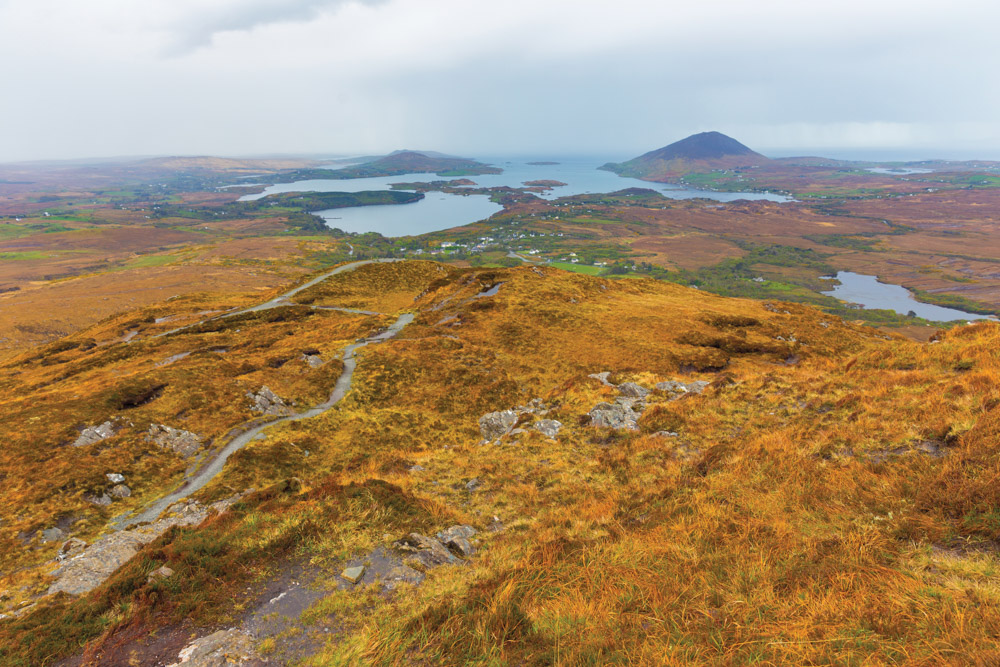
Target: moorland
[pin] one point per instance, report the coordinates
(527, 440)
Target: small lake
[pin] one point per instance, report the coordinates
(870, 293)
(899, 171)
(438, 210)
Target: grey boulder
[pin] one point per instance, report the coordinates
(268, 403)
(94, 434)
(632, 390)
(619, 415)
(548, 427)
(497, 424)
(184, 443)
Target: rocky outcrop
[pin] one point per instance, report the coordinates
(449, 545)
(677, 389)
(224, 648)
(626, 409)
(268, 403)
(120, 491)
(602, 377)
(632, 390)
(495, 425)
(95, 434)
(427, 550)
(617, 415)
(88, 567)
(102, 500)
(457, 539)
(313, 360)
(52, 535)
(184, 443)
(547, 427)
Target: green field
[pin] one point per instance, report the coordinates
(578, 268)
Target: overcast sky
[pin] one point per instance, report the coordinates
(84, 78)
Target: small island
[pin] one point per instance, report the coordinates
(545, 183)
(426, 186)
(541, 163)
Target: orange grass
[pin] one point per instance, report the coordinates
(769, 531)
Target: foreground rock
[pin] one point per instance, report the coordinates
(184, 443)
(677, 389)
(297, 592)
(548, 427)
(86, 569)
(427, 550)
(220, 649)
(313, 360)
(442, 550)
(617, 415)
(497, 424)
(626, 410)
(633, 390)
(268, 403)
(457, 539)
(95, 434)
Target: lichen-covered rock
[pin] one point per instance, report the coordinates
(94, 434)
(162, 572)
(184, 443)
(427, 550)
(457, 538)
(602, 377)
(460, 546)
(456, 531)
(677, 389)
(102, 500)
(52, 535)
(497, 424)
(120, 491)
(401, 574)
(115, 478)
(548, 427)
(71, 548)
(268, 403)
(87, 568)
(313, 360)
(618, 415)
(224, 648)
(632, 390)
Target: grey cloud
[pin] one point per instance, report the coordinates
(197, 31)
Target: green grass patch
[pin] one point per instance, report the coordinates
(150, 261)
(578, 268)
(22, 256)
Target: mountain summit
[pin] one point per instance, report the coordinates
(701, 146)
(704, 151)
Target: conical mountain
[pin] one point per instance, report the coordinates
(701, 152)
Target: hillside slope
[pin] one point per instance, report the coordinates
(632, 471)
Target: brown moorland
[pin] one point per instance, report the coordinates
(830, 496)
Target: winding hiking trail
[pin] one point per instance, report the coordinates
(199, 478)
(285, 299)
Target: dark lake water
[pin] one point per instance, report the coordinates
(870, 293)
(439, 210)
